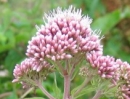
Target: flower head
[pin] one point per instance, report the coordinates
(65, 33)
(106, 65)
(31, 70)
(124, 81)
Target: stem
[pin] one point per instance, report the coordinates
(66, 87)
(3, 95)
(45, 92)
(60, 68)
(97, 95)
(73, 66)
(27, 92)
(83, 85)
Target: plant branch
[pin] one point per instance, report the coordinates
(27, 92)
(60, 68)
(73, 66)
(97, 95)
(5, 94)
(45, 92)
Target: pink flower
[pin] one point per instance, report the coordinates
(106, 65)
(31, 70)
(124, 81)
(65, 33)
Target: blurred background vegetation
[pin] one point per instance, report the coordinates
(17, 25)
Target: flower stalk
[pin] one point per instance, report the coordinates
(45, 91)
(97, 95)
(67, 81)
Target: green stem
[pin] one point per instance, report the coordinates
(27, 92)
(73, 66)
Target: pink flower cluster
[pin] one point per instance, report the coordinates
(66, 33)
(106, 65)
(28, 68)
(124, 82)
(114, 69)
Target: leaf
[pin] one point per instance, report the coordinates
(56, 89)
(107, 22)
(86, 90)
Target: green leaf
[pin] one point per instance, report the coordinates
(107, 22)
(86, 90)
(56, 89)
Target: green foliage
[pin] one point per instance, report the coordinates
(107, 22)
(57, 91)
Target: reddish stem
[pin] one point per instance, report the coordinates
(97, 95)
(45, 92)
(66, 87)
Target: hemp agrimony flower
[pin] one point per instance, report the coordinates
(30, 71)
(106, 65)
(124, 82)
(65, 34)
(67, 44)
